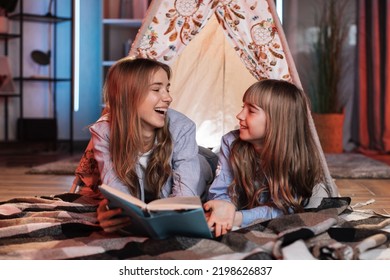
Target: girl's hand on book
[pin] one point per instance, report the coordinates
(221, 216)
(108, 219)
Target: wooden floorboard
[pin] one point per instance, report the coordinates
(14, 182)
(363, 190)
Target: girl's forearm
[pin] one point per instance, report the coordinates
(237, 219)
(261, 212)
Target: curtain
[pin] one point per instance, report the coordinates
(372, 130)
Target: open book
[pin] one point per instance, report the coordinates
(160, 218)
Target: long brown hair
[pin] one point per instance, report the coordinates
(288, 166)
(126, 86)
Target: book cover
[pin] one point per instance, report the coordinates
(160, 218)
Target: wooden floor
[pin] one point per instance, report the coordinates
(14, 182)
(364, 190)
(16, 160)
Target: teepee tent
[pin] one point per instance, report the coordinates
(217, 49)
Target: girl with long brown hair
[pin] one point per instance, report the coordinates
(271, 165)
(142, 147)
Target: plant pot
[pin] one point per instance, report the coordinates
(3, 24)
(330, 131)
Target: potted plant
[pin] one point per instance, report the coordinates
(325, 90)
(6, 7)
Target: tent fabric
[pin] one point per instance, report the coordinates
(210, 90)
(209, 75)
(250, 26)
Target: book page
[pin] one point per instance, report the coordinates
(128, 197)
(175, 203)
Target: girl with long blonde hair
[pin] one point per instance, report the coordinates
(271, 165)
(142, 147)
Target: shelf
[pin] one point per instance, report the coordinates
(108, 63)
(123, 22)
(30, 19)
(8, 36)
(42, 79)
(48, 18)
(9, 94)
(118, 31)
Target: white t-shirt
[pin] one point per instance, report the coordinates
(141, 168)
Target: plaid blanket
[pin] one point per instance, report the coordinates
(65, 227)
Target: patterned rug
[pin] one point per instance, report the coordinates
(340, 166)
(65, 166)
(356, 166)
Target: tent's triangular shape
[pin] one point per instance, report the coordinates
(210, 90)
(217, 48)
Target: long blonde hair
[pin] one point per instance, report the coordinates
(288, 166)
(126, 86)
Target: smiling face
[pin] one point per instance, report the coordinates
(152, 110)
(252, 121)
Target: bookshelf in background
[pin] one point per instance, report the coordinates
(28, 128)
(121, 22)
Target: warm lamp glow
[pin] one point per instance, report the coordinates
(279, 10)
(76, 101)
